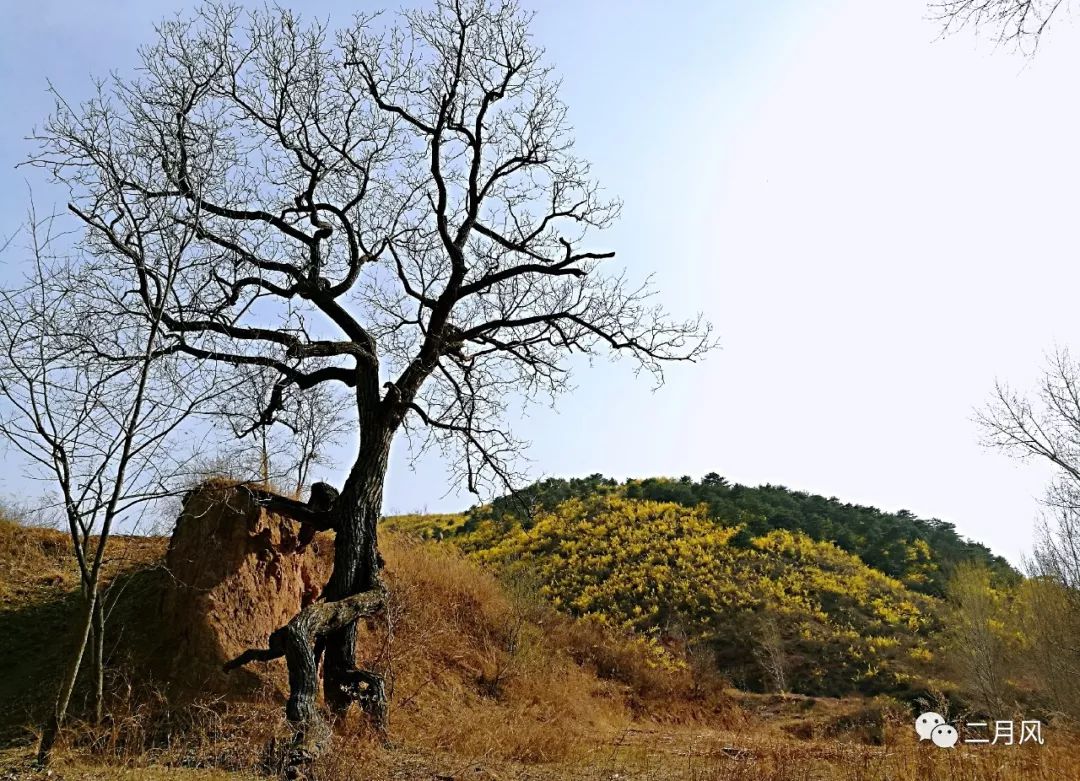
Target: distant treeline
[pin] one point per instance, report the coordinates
(921, 552)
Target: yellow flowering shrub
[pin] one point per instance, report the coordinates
(784, 612)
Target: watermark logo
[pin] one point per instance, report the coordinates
(926, 723)
(944, 736)
(933, 727)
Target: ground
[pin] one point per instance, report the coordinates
(487, 686)
(642, 753)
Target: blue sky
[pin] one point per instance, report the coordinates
(878, 223)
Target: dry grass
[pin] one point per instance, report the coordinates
(33, 564)
(762, 755)
(487, 683)
(474, 670)
(638, 754)
(484, 675)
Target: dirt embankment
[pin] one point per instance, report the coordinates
(238, 573)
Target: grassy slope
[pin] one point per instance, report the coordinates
(843, 627)
(487, 685)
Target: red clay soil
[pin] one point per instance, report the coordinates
(236, 575)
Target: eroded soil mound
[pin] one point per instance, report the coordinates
(238, 573)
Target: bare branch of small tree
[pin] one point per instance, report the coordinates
(1017, 23)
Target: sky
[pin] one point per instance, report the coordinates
(878, 222)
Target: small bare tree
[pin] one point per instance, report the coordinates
(92, 405)
(284, 450)
(771, 655)
(1046, 426)
(315, 425)
(1019, 23)
(394, 208)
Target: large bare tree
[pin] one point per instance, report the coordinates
(394, 208)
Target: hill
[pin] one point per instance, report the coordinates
(782, 613)
(775, 589)
(921, 553)
(488, 682)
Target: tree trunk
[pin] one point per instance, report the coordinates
(99, 657)
(63, 697)
(328, 626)
(356, 570)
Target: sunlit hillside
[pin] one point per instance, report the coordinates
(783, 613)
(920, 552)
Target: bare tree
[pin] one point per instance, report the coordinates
(1046, 426)
(770, 653)
(1049, 619)
(88, 401)
(1019, 23)
(316, 424)
(394, 208)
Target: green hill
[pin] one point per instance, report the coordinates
(922, 553)
(773, 588)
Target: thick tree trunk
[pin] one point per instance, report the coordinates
(353, 591)
(297, 640)
(356, 571)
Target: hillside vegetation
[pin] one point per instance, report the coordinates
(922, 553)
(775, 589)
(782, 613)
(488, 681)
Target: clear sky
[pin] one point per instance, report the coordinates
(878, 223)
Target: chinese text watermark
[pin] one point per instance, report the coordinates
(933, 727)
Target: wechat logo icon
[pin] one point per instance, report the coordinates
(926, 723)
(944, 736)
(931, 726)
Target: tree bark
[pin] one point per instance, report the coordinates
(356, 571)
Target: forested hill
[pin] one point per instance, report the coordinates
(920, 552)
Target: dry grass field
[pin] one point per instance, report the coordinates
(486, 684)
